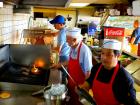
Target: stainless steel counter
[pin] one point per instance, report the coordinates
(136, 76)
(20, 94)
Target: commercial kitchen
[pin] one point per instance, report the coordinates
(25, 44)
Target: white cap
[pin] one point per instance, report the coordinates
(74, 32)
(112, 44)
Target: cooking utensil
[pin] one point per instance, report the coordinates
(81, 92)
(41, 92)
(85, 94)
(69, 75)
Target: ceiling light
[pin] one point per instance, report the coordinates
(78, 4)
(1, 4)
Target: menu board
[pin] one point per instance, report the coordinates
(121, 21)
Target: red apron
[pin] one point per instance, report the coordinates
(77, 74)
(103, 92)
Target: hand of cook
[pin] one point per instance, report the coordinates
(55, 66)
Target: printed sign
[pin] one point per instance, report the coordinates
(114, 31)
(92, 28)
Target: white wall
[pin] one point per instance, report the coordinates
(11, 25)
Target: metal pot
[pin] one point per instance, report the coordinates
(54, 99)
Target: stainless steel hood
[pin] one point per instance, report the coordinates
(63, 3)
(45, 3)
(24, 6)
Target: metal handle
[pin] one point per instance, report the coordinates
(69, 75)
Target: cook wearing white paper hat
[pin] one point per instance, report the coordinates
(112, 44)
(107, 77)
(80, 62)
(74, 33)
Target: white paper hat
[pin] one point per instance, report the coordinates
(112, 44)
(74, 32)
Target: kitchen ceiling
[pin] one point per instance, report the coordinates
(42, 3)
(65, 3)
(100, 1)
(48, 3)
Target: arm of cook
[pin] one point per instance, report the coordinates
(51, 33)
(88, 83)
(58, 65)
(133, 37)
(86, 60)
(61, 39)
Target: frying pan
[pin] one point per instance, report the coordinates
(81, 92)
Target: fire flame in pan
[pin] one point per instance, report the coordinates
(38, 63)
(35, 70)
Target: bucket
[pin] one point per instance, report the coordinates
(55, 95)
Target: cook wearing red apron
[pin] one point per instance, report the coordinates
(103, 92)
(77, 74)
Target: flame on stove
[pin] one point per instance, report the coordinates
(39, 62)
(35, 70)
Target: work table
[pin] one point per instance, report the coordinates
(21, 94)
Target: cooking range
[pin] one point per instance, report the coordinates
(28, 64)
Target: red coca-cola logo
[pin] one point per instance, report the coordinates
(114, 31)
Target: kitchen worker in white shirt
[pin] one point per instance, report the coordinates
(79, 64)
